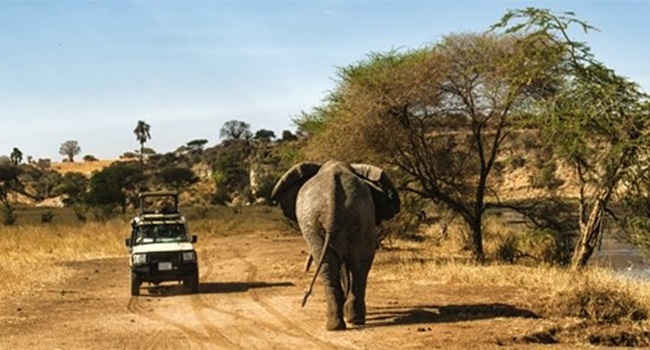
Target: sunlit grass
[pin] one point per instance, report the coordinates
(33, 254)
(596, 294)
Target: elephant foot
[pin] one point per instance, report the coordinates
(336, 324)
(356, 320)
(352, 315)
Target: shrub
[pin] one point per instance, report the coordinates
(8, 215)
(47, 217)
(602, 304)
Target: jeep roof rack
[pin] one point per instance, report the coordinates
(159, 194)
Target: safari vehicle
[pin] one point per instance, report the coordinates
(160, 249)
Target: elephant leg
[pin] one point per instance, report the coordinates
(334, 295)
(355, 305)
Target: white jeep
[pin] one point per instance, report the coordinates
(160, 248)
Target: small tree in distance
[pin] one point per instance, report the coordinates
(235, 130)
(16, 156)
(142, 134)
(70, 149)
(196, 146)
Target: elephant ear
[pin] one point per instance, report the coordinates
(384, 194)
(286, 189)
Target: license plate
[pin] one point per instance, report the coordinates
(164, 266)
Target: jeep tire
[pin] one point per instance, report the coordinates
(192, 283)
(135, 284)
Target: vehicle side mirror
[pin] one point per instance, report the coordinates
(127, 242)
(194, 239)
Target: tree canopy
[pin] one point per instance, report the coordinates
(235, 130)
(70, 149)
(440, 116)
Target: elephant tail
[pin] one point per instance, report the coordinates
(310, 259)
(320, 264)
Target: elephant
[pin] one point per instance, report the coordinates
(338, 207)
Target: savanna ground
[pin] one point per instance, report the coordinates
(65, 285)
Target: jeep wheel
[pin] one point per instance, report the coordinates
(135, 284)
(192, 283)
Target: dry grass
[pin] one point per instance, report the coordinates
(33, 255)
(86, 168)
(594, 294)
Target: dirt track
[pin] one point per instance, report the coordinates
(249, 298)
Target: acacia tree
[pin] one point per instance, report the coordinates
(235, 130)
(597, 122)
(70, 149)
(196, 146)
(114, 185)
(438, 115)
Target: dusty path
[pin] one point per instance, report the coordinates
(249, 298)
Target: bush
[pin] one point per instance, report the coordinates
(8, 215)
(602, 304)
(47, 217)
(89, 158)
(507, 249)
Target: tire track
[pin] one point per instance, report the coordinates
(152, 342)
(193, 336)
(251, 276)
(199, 305)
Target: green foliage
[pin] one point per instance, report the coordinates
(142, 132)
(16, 156)
(546, 177)
(177, 177)
(235, 130)
(8, 181)
(113, 186)
(288, 136)
(264, 135)
(595, 120)
(232, 166)
(196, 146)
(439, 115)
(74, 186)
(89, 158)
(40, 182)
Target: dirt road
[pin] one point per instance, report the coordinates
(249, 298)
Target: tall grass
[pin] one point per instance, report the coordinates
(34, 253)
(595, 294)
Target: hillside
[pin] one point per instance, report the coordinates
(86, 168)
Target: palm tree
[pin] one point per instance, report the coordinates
(142, 134)
(16, 156)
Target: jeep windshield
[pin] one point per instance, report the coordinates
(161, 233)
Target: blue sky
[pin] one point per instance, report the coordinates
(89, 70)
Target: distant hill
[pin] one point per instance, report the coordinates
(86, 168)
